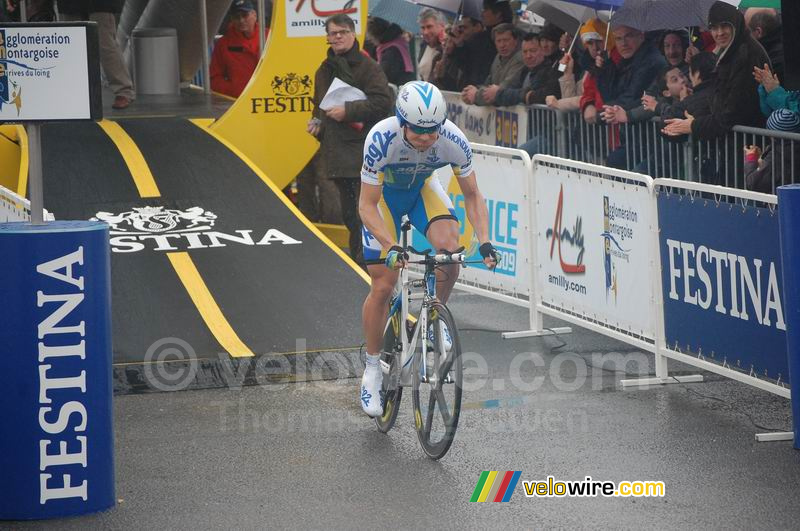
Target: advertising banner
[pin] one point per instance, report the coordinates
(594, 247)
(49, 72)
(306, 18)
(57, 448)
(722, 283)
(495, 126)
(502, 178)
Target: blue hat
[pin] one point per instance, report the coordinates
(243, 5)
(784, 120)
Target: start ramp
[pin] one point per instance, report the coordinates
(210, 261)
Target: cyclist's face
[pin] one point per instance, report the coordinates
(421, 142)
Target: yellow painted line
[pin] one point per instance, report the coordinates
(207, 306)
(133, 157)
(279, 193)
(24, 162)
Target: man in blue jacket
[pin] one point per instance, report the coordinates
(623, 84)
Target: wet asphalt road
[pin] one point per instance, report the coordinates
(303, 455)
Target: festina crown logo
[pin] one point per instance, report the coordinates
(157, 228)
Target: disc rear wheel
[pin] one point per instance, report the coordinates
(392, 392)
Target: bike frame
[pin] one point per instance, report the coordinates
(401, 302)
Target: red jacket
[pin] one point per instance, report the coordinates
(233, 62)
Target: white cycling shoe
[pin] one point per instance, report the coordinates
(448, 341)
(371, 384)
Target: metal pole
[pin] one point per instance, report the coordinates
(23, 11)
(35, 173)
(204, 36)
(261, 34)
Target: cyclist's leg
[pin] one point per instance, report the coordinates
(434, 215)
(376, 305)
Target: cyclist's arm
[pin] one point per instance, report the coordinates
(478, 215)
(371, 216)
(475, 204)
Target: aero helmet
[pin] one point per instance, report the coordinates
(421, 106)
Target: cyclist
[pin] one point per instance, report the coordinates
(400, 155)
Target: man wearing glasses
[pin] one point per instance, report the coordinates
(342, 130)
(400, 155)
(623, 84)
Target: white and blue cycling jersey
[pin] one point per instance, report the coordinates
(405, 175)
(391, 161)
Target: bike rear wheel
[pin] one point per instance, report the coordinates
(437, 394)
(392, 392)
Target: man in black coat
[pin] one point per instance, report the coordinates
(342, 129)
(103, 12)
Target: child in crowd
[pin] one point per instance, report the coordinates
(760, 172)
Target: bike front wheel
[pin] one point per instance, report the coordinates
(437, 383)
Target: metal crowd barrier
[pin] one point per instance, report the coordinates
(641, 147)
(14, 207)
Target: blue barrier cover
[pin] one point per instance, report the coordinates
(56, 448)
(722, 283)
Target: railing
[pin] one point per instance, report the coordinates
(14, 207)
(641, 147)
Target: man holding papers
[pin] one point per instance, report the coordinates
(351, 94)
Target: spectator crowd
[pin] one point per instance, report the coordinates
(698, 82)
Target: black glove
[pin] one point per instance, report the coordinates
(487, 250)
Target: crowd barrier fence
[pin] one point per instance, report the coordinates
(638, 147)
(14, 207)
(684, 270)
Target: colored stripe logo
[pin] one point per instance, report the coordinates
(495, 486)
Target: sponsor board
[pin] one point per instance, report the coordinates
(505, 194)
(496, 126)
(306, 18)
(594, 248)
(722, 284)
(57, 450)
(49, 73)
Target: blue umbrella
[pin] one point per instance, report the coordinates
(599, 5)
(404, 14)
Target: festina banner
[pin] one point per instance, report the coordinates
(722, 287)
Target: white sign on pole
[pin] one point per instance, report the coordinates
(49, 72)
(594, 248)
(495, 126)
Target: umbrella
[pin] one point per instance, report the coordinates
(775, 4)
(404, 14)
(651, 15)
(468, 8)
(599, 5)
(566, 15)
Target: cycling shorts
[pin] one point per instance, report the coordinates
(423, 206)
